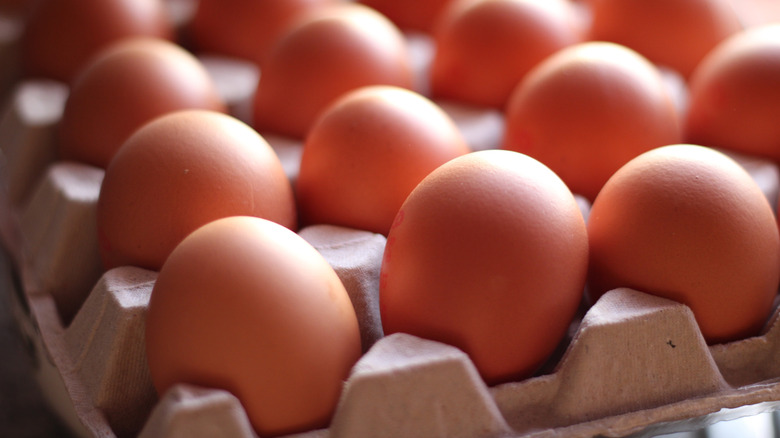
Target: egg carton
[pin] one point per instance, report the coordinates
(632, 364)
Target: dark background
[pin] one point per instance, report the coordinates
(24, 412)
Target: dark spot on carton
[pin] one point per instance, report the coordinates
(670, 343)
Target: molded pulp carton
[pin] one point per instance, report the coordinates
(632, 363)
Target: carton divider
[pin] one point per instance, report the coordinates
(64, 390)
(450, 398)
(632, 352)
(59, 231)
(193, 412)
(106, 344)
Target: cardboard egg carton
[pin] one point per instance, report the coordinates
(633, 363)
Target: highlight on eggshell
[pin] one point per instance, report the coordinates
(489, 253)
(179, 172)
(126, 85)
(485, 47)
(587, 110)
(735, 95)
(254, 26)
(327, 53)
(248, 306)
(61, 36)
(688, 223)
(674, 33)
(366, 153)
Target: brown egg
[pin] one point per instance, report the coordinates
(332, 51)
(417, 15)
(246, 305)
(489, 253)
(673, 33)
(485, 47)
(735, 95)
(688, 223)
(61, 36)
(244, 28)
(367, 152)
(587, 110)
(128, 84)
(179, 172)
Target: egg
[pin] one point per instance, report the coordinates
(128, 84)
(254, 25)
(326, 54)
(61, 36)
(367, 152)
(489, 253)
(587, 110)
(246, 305)
(410, 15)
(735, 95)
(673, 33)
(179, 172)
(686, 222)
(485, 47)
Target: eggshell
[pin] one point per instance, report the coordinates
(489, 253)
(367, 152)
(414, 15)
(254, 26)
(179, 172)
(326, 54)
(246, 305)
(61, 36)
(485, 47)
(673, 33)
(688, 223)
(587, 110)
(128, 84)
(735, 95)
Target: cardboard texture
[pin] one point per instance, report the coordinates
(289, 151)
(356, 256)
(106, 343)
(481, 128)
(632, 351)
(188, 411)
(450, 399)
(634, 363)
(236, 82)
(59, 234)
(27, 128)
